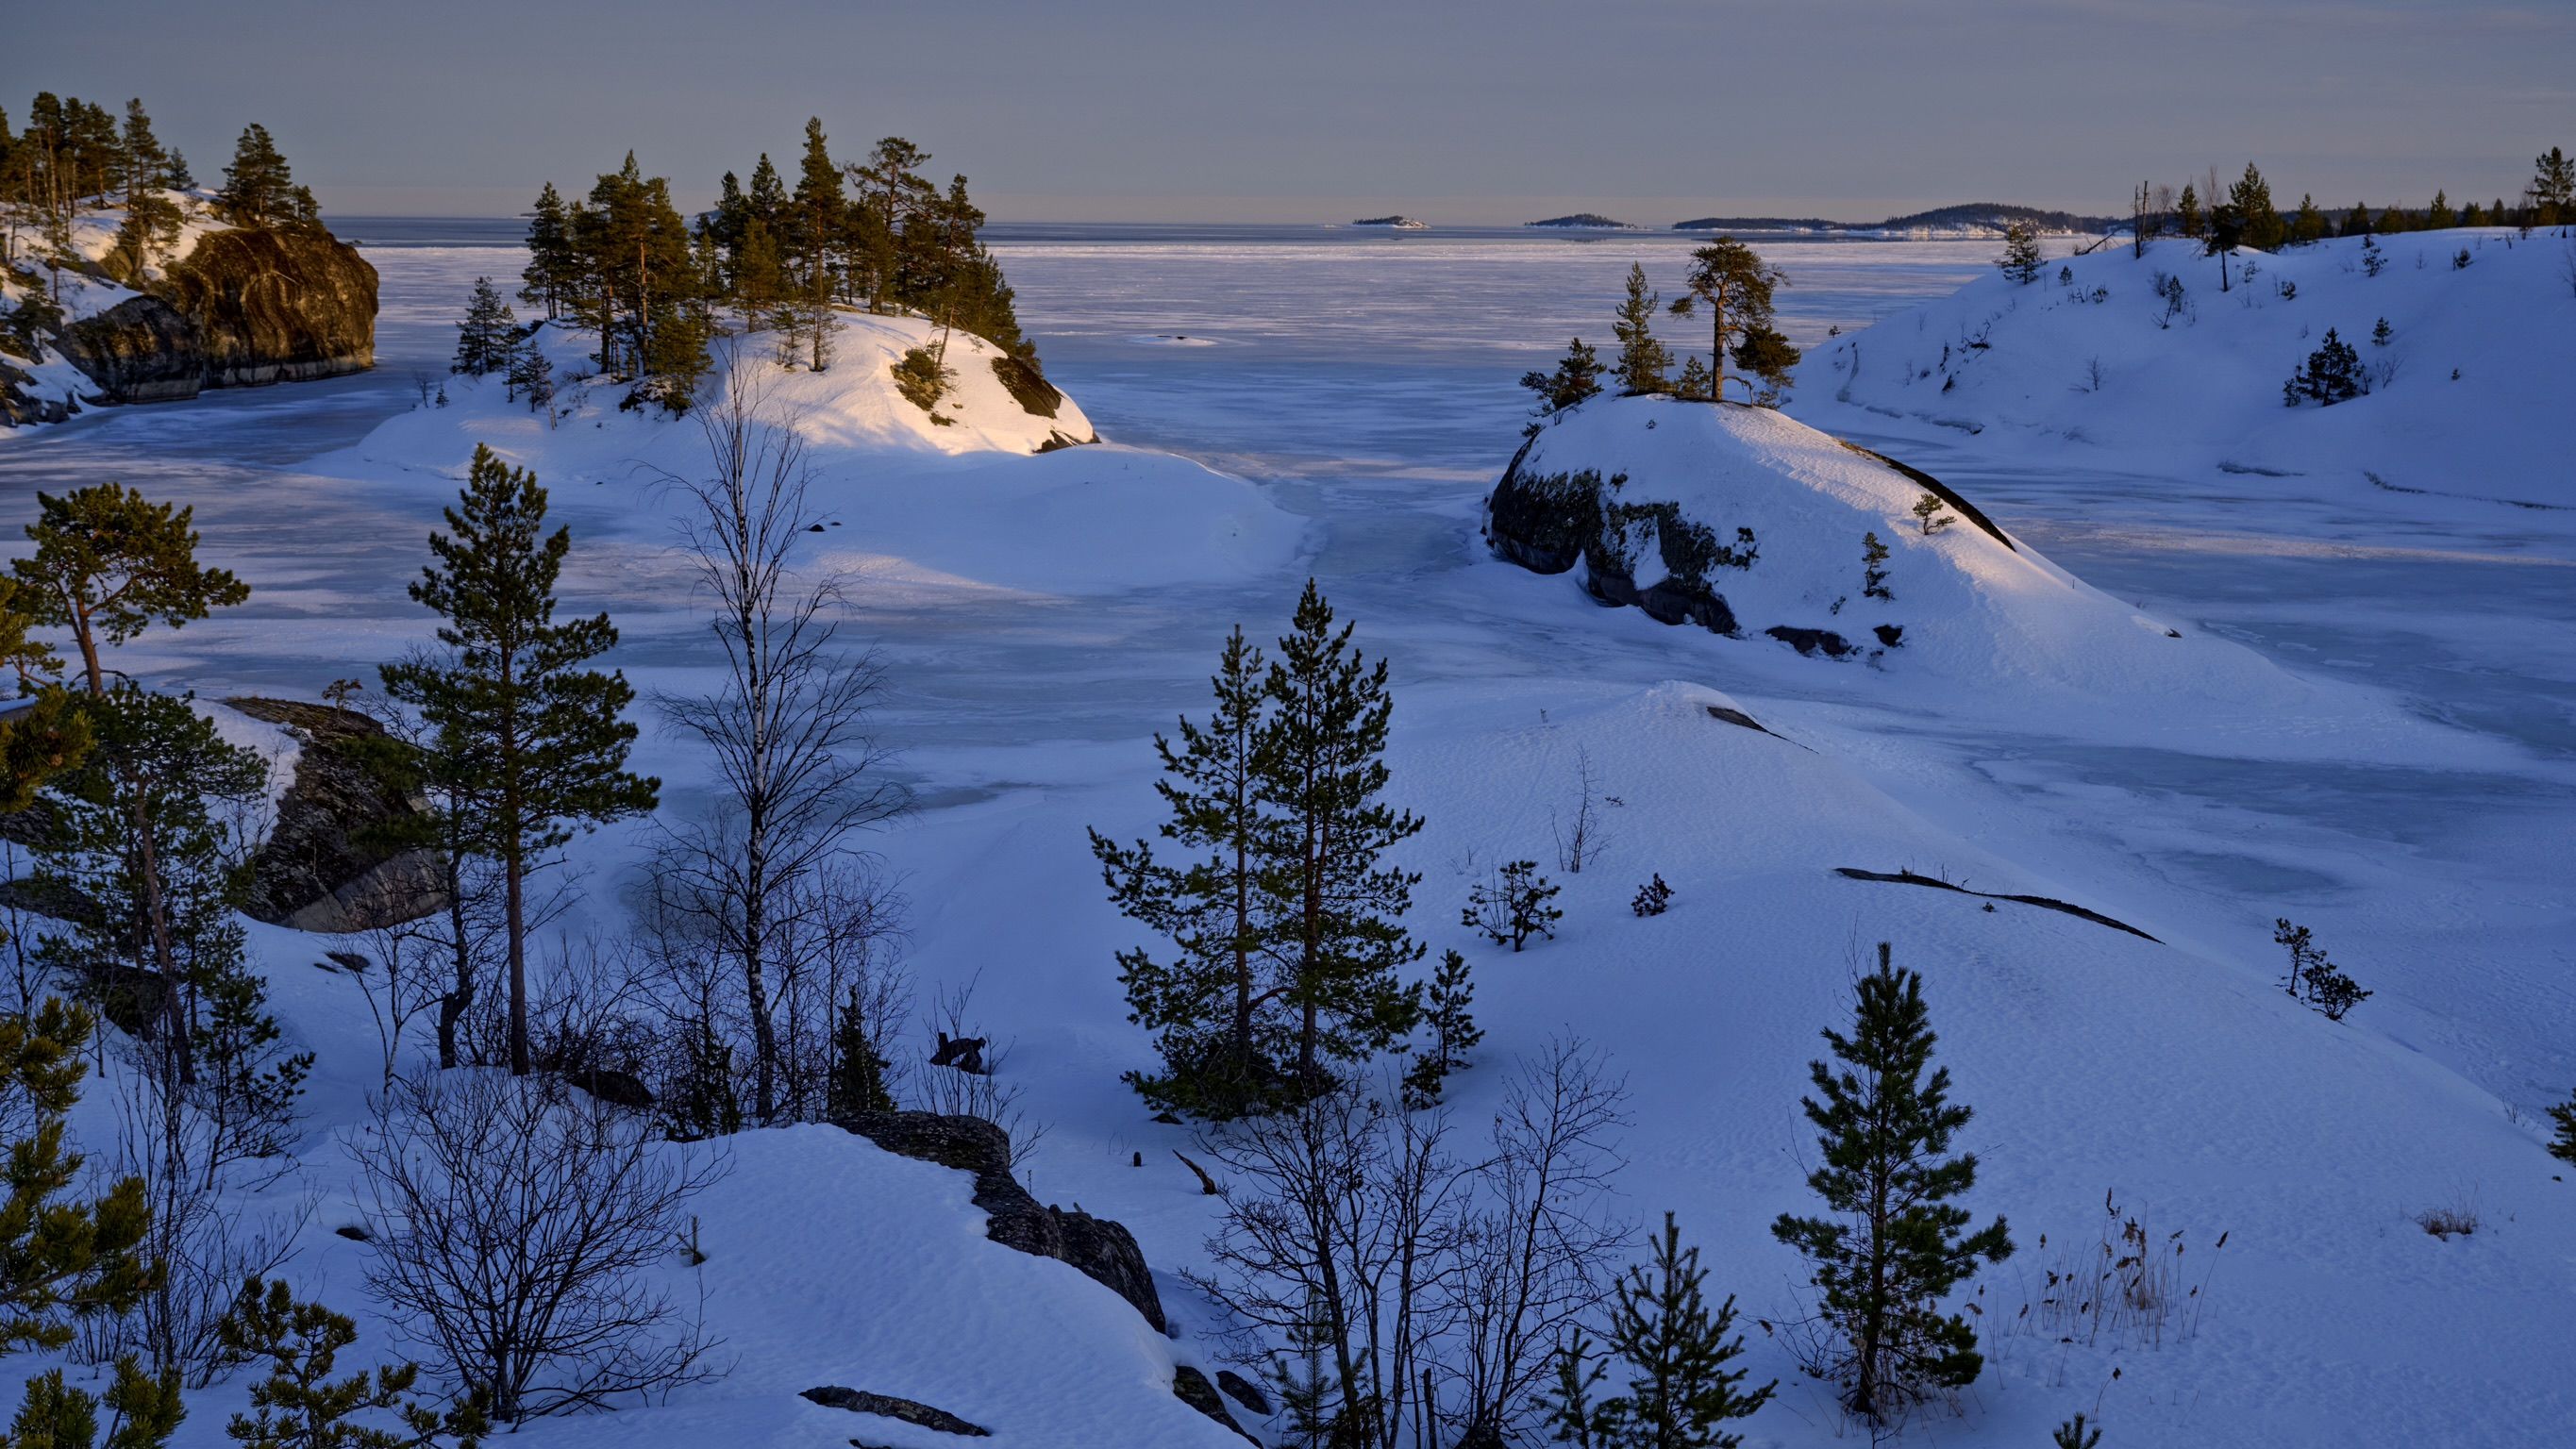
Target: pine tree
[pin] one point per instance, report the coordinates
(1642, 359)
(1693, 384)
(538, 740)
(2552, 191)
(1321, 770)
(2258, 222)
(1894, 1247)
(1873, 568)
(2439, 216)
(2074, 1434)
(2356, 222)
(1577, 377)
(151, 219)
(816, 217)
(2309, 224)
(554, 267)
(2563, 1145)
(2474, 214)
(175, 174)
(2021, 259)
(1448, 1012)
(2332, 374)
(1736, 285)
(2187, 218)
(1763, 353)
(110, 563)
(300, 1406)
(1215, 1009)
(1681, 1394)
(259, 189)
(858, 1081)
(488, 337)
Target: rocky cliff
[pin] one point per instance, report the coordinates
(243, 308)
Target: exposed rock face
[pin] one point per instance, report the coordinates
(1191, 1387)
(909, 1411)
(243, 308)
(1547, 522)
(323, 869)
(1103, 1250)
(140, 350)
(17, 407)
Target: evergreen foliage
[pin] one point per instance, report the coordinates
(520, 725)
(2187, 215)
(1694, 384)
(1643, 361)
(1340, 907)
(2332, 374)
(259, 188)
(1577, 377)
(1928, 513)
(2021, 259)
(858, 1080)
(2308, 224)
(1893, 1245)
(1653, 898)
(2073, 1434)
(2563, 1145)
(300, 1406)
(110, 563)
(1675, 1352)
(923, 380)
(2326, 986)
(2258, 221)
(1448, 1015)
(1873, 568)
(488, 339)
(1733, 282)
(2552, 190)
(1513, 905)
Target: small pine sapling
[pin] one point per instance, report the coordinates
(2020, 260)
(2328, 989)
(1448, 1009)
(2383, 334)
(1928, 513)
(1513, 905)
(2373, 260)
(1873, 568)
(2073, 1434)
(1681, 1392)
(1653, 898)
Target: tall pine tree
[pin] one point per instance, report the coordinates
(1341, 937)
(1643, 361)
(1894, 1245)
(1732, 281)
(1217, 1017)
(539, 740)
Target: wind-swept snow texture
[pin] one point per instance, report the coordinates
(2093, 356)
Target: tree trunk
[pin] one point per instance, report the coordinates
(513, 870)
(454, 1003)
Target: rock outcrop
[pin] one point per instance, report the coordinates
(1102, 1250)
(245, 307)
(904, 1411)
(326, 865)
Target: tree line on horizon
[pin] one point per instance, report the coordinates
(2244, 213)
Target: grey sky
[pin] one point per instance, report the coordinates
(1318, 109)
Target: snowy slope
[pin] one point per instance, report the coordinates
(51, 378)
(959, 504)
(2477, 354)
(1975, 607)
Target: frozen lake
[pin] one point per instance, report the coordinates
(1368, 380)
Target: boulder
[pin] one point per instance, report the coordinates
(276, 304)
(1243, 1391)
(1100, 1249)
(245, 307)
(140, 350)
(327, 865)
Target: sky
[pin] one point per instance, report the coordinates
(1494, 111)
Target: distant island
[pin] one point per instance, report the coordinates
(1588, 220)
(1970, 219)
(1400, 223)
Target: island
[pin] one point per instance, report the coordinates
(1968, 219)
(1587, 221)
(1398, 223)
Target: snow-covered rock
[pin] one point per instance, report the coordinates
(2094, 356)
(1749, 522)
(952, 502)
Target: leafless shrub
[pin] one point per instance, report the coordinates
(974, 1086)
(516, 1225)
(2457, 1218)
(1580, 838)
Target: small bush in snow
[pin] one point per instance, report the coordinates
(2325, 985)
(923, 381)
(2169, 290)
(2460, 260)
(1513, 905)
(2073, 1435)
(1654, 898)
(2333, 374)
(2373, 260)
(2455, 1219)
(1928, 514)
(2020, 260)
